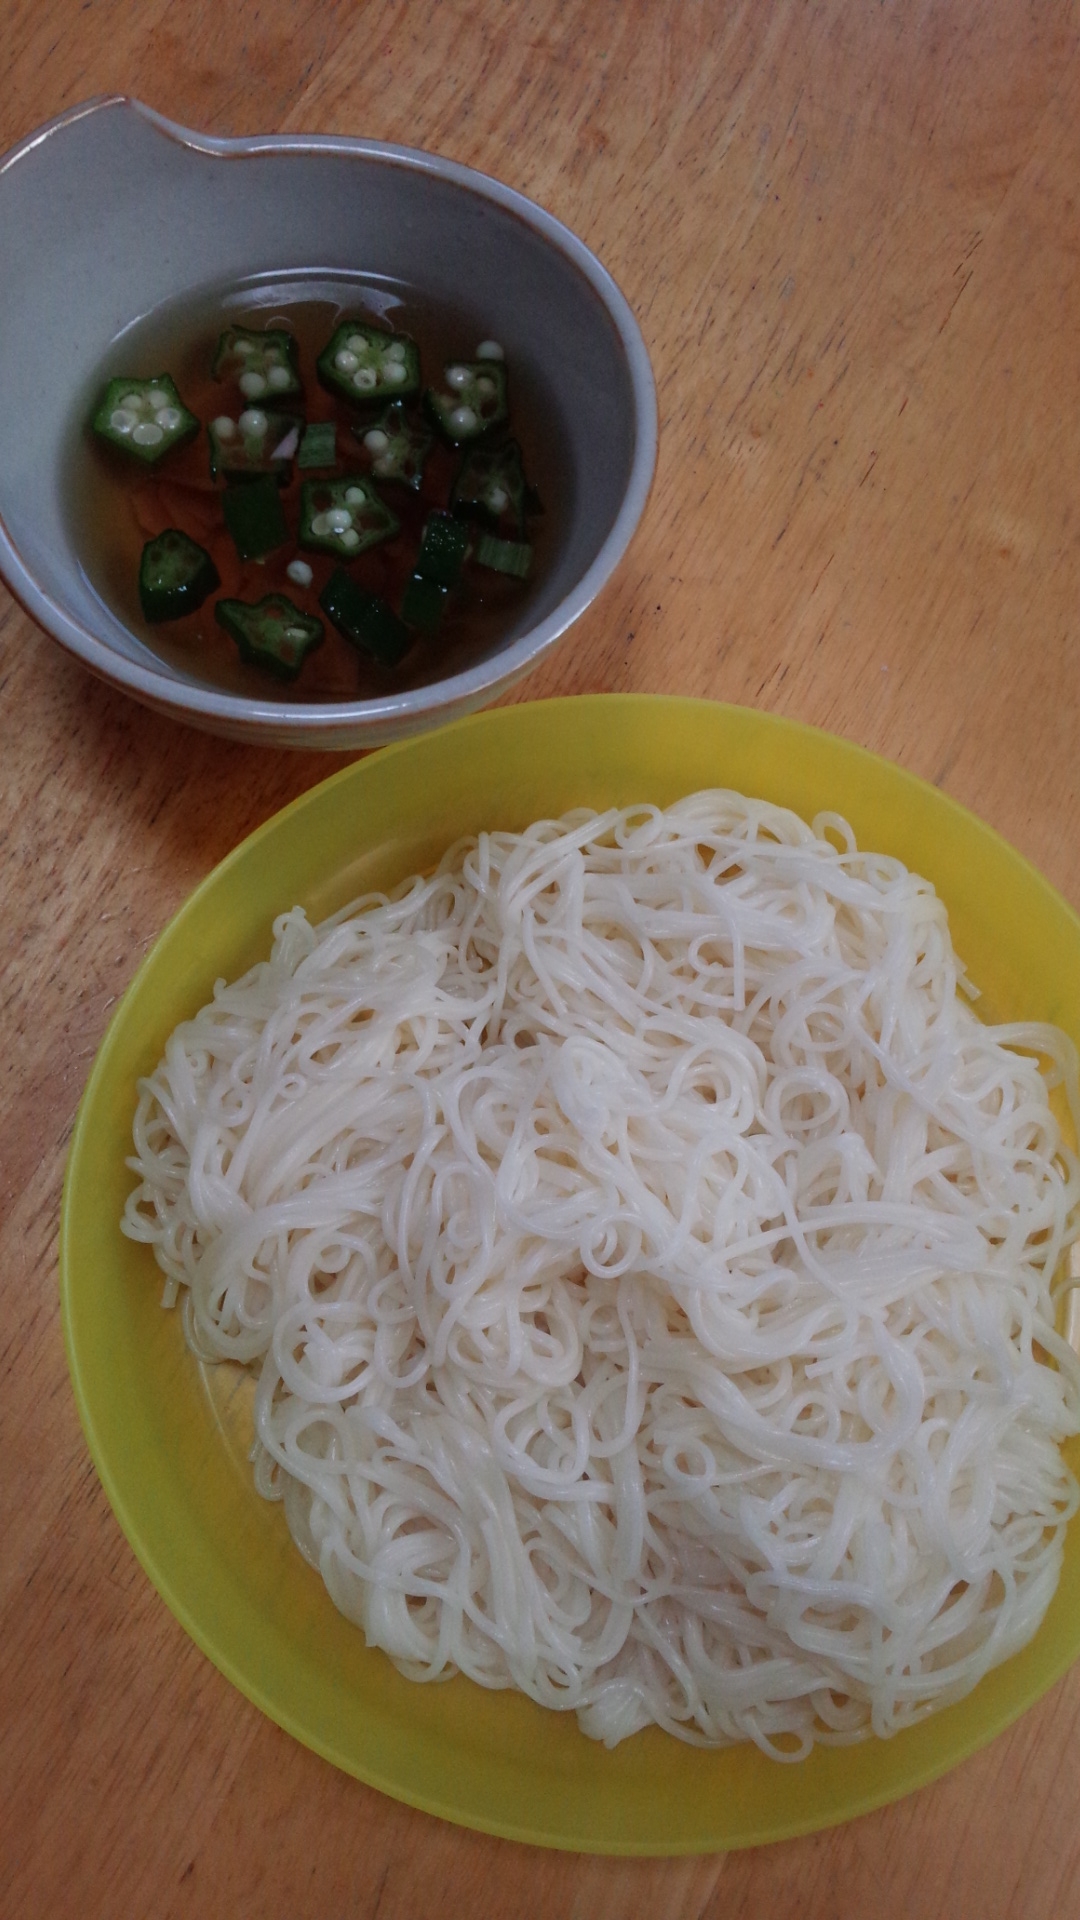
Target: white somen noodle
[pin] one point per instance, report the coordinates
(646, 1255)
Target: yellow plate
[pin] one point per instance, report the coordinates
(169, 1440)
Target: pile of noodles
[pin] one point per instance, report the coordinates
(646, 1255)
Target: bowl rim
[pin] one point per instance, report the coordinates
(420, 707)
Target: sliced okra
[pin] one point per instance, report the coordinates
(443, 546)
(490, 488)
(471, 401)
(263, 364)
(344, 516)
(175, 576)
(422, 603)
(365, 363)
(399, 444)
(255, 517)
(259, 441)
(363, 619)
(318, 445)
(146, 418)
(442, 549)
(504, 556)
(270, 633)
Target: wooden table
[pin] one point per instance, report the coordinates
(851, 236)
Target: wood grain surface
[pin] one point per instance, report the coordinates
(851, 235)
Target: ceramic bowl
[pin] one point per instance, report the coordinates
(111, 213)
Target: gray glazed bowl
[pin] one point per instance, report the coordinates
(110, 212)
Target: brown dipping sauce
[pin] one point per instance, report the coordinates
(117, 504)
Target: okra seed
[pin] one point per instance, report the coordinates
(463, 420)
(365, 377)
(458, 377)
(168, 418)
(121, 421)
(147, 434)
(485, 386)
(350, 537)
(300, 572)
(355, 496)
(318, 525)
(338, 520)
(252, 385)
(489, 350)
(394, 373)
(356, 343)
(384, 466)
(244, 347)
(252, 420)
(396, 350)
(155, 399)
(295, 633)
(376, 441)
(497, 499)
(346, 361)
(279, 378)
(223, 426)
